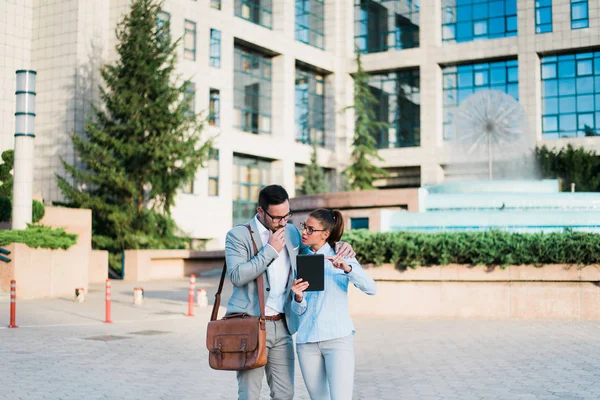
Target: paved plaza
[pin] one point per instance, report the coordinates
(63, 350)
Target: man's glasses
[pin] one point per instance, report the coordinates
(279, 219)
(309, 229)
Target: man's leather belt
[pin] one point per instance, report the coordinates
(275, 317)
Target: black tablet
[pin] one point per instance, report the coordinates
(311, 268)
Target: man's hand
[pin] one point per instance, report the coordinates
(298, 288)
(277, 239)
(343, 249)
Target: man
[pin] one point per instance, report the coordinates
(278, 244)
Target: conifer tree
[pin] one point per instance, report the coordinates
(141, 145)
(361, 173)
(315, 181)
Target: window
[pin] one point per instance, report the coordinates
(190, 95)
(252, 91)
(579, 14)
(163, 21)
(543, 16)
(310, 107)
(399, 106)
(571, 95)
(359, 223)
(214, 108)
(257, 11)
(468, 20)
(215, 48)
(249, 176)
(299, 179)
(459, 82)
(215, 4)
(386, 24)
(189, 40)
(213, 172)
(309, 22)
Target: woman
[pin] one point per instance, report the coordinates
(324, 342)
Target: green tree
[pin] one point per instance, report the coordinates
(578, 166)
(315, 181)
(142, 145)
(362, 172)
(6, 178)
(589, 131)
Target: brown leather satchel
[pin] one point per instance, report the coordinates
(238, 341)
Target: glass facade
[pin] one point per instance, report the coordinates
(189, 40)
(310, 107)
(381, 25)
(257, 11)
(249, 176)
(214, 108)
(399, 106)
(310, 26)
(215, 4)
(215, 48)
(213, 172)
(579, 14)
(468, 20)
(163, 20)
(459, 82)
(252, 91)
(543, 16)
(571, 95)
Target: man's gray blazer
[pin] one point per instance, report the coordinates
(243, 267)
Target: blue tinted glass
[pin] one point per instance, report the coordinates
(513, 90)
(598, 120)
(543, 3)
(566, 86)
(584, 67)
(585, 103)
(496, 8)
(464, 13)
(550, 88)
(481, 78)
(544, 15)
(585, 85)
(566, 68)
(568, 122)
(448, 32)
(548, 71)
(585, 119)
(579, 10)
(480, 11)
(511, 24)
(550, 123)
(463, 94)
(465, 79)
(511, 7)
(464, 31)
(567, 104)
(496, 25)
(513, 74)
(498, 75)
(579, 24)
(551, 106)
(480, 28)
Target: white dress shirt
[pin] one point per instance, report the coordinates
(278, 273)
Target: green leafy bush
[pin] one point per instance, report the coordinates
(37, 213)
(39, 236)
(477, 248)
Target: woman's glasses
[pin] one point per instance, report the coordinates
(309, 229)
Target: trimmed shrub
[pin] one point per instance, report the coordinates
(476, 248)
(37, 236)
(37, 207)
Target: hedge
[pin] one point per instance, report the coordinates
(475, 248)
(39, 236)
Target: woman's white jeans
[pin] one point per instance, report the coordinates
(328, 368)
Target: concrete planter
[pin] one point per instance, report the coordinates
(461, 291)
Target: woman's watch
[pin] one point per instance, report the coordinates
(349, 271)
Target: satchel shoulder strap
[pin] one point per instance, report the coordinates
(259, 280)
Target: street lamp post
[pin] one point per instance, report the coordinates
(24, 136)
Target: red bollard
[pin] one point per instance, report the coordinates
(13, 304)
(191, 296)
(108, 320)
